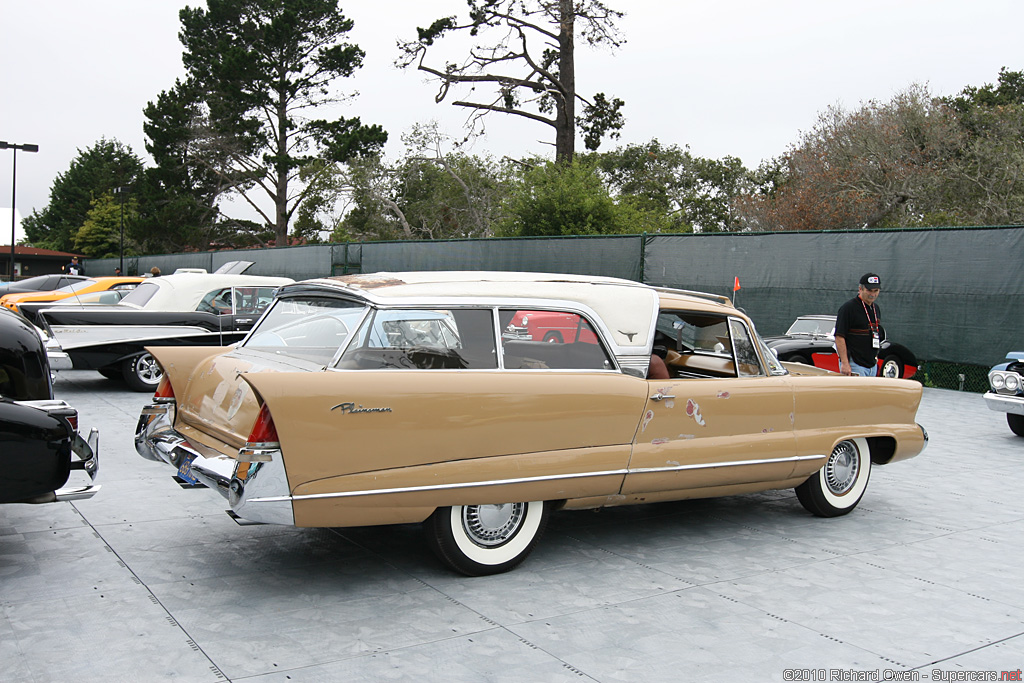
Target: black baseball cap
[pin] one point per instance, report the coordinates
(870, 281)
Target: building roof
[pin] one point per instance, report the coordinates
(20, 250)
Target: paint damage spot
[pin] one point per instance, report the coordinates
(659, 442)
(723, 394)
(648, 416)
(693, 410)
(767, 430)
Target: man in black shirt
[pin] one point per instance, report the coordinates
(74, 268)
(859, 330)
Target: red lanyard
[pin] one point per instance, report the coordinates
(873, 326)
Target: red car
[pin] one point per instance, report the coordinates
(549, 326)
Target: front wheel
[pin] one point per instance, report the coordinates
(142, 372)
(1016, 423)
(838, 486)
(478, 540)
(892, 367)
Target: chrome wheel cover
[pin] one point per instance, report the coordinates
(842, 468)
(891, 369)
(148, 370)
(492, 525)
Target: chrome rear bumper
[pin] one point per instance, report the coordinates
(242, 484)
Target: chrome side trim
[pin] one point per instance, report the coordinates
(529, 480)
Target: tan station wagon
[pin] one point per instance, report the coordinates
(399, 397)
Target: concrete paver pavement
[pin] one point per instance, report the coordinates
(148, 581)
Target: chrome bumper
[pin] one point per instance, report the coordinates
(1004, 403)
(243, 484)
(88, 452)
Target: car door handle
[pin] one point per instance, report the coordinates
(660, 397)
(243, 321)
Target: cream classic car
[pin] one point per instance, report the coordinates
(395, 398)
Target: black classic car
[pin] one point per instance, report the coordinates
(39, 441)
(183, 309)
(811, 340)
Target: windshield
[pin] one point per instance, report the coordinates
(308, 328)
(37, 281)
(819, 327)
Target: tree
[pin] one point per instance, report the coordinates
(695, 193)
(180, 192)
(100, 234)
(885, 164)
(1008, 90)
(552, 199)
(92, 174)
(530, 65)
(257, 66)
(430, 193)
(989, 183)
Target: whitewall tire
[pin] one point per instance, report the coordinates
(837, 487)
(478, 540)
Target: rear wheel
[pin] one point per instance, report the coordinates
(838, 486)
(142, 373)
(1016, 423)
(797, 358)
(478, 540)
(892, 367)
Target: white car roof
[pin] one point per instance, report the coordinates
(184, 291)
(627, 308)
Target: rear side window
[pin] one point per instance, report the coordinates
(550, 340)
(313, 329)
(423, 339)
(141, 294)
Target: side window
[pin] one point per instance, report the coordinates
(252, 300)
(695, 344)
(457, 339)
(550, 340)
(747, 362)
(217, 302)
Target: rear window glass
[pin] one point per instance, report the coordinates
(141, 294)
(311, 329)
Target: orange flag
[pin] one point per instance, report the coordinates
(736, 284)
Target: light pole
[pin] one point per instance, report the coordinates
(14, 187)
(122, 194)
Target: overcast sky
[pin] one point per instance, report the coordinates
(726, 77)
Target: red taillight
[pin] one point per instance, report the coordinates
(263, 431)
(164, 392)
(73, 419)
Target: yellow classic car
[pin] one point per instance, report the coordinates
(393, 398)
